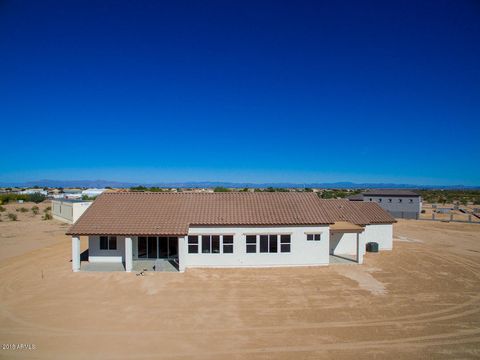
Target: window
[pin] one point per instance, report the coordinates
(411, 201)
(285, 243)
(227, 244)
(313, 237)
(193, 244)
(399, 200)
(103, 242)
(263, 243)
(370, 199)
(251, 243)
(112, 243)
(211, 244)
(380, 200)
(215, 244)
(273, 248)
(206, 244)
(108, 243)
(268, 243)
(389, 200)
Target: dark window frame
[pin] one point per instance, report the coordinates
(314, 237)
(193, 244)
(227, 244)
(285, 243)
(108, 243)
(251, 245)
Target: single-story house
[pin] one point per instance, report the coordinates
(237, 229)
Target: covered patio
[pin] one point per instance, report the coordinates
(347, 244)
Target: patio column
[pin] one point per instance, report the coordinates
(359, 250)
(75, 253)
(128, 254)
(182, 248)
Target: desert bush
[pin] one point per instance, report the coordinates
(35, 210)
(23, 209)
(47, 209)
(2, 209)
(47, 216)
(12, 216)
(36, 198)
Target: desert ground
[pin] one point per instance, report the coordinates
(421, 300)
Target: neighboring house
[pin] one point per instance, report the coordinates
(240, 229)
(33, 191)
(93, 192)
(403, 204)
(68, 210)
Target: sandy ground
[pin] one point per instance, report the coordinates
(419, 301)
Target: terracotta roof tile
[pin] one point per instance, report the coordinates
(136, 213)
(357, 212)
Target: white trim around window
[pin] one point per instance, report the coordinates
(210, 244)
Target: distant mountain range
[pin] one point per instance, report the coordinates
(212, 184)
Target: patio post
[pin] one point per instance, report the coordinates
(128, 254)
(75, 253)
(182, 248)
(359, 251)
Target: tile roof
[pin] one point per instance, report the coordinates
(345, 226)
(145, 213)
(137, 213)
(357, 212)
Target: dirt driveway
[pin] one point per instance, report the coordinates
(420, 301)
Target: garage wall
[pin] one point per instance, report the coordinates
(381, 234)
(62, 211)
(302, 253)
(79, 208)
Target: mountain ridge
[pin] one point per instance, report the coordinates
(211, 184)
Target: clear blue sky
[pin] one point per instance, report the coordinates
(241, 91)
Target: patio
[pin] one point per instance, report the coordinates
(342, 259)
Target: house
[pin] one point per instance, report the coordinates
(93, 192)
(403, 204)
(237, 229)
(69, 210)
(33, 191)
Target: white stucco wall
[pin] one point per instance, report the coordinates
(68, 212)
(346, 243)
(79, 209)
(97, 255)
(303, 252)
(381, 234)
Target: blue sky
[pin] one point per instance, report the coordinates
(298, 91)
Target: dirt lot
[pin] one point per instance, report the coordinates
(420, 301)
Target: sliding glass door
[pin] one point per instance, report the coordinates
(157, 247)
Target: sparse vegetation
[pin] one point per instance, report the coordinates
(23, 209)
(12, 216)
(451, 196)
(86, 197)
(47, 209)
(2, 209)
(221, 189)
(143, 188)
(47, 216)
(35, 210)
(36, 198)
(338, 193)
